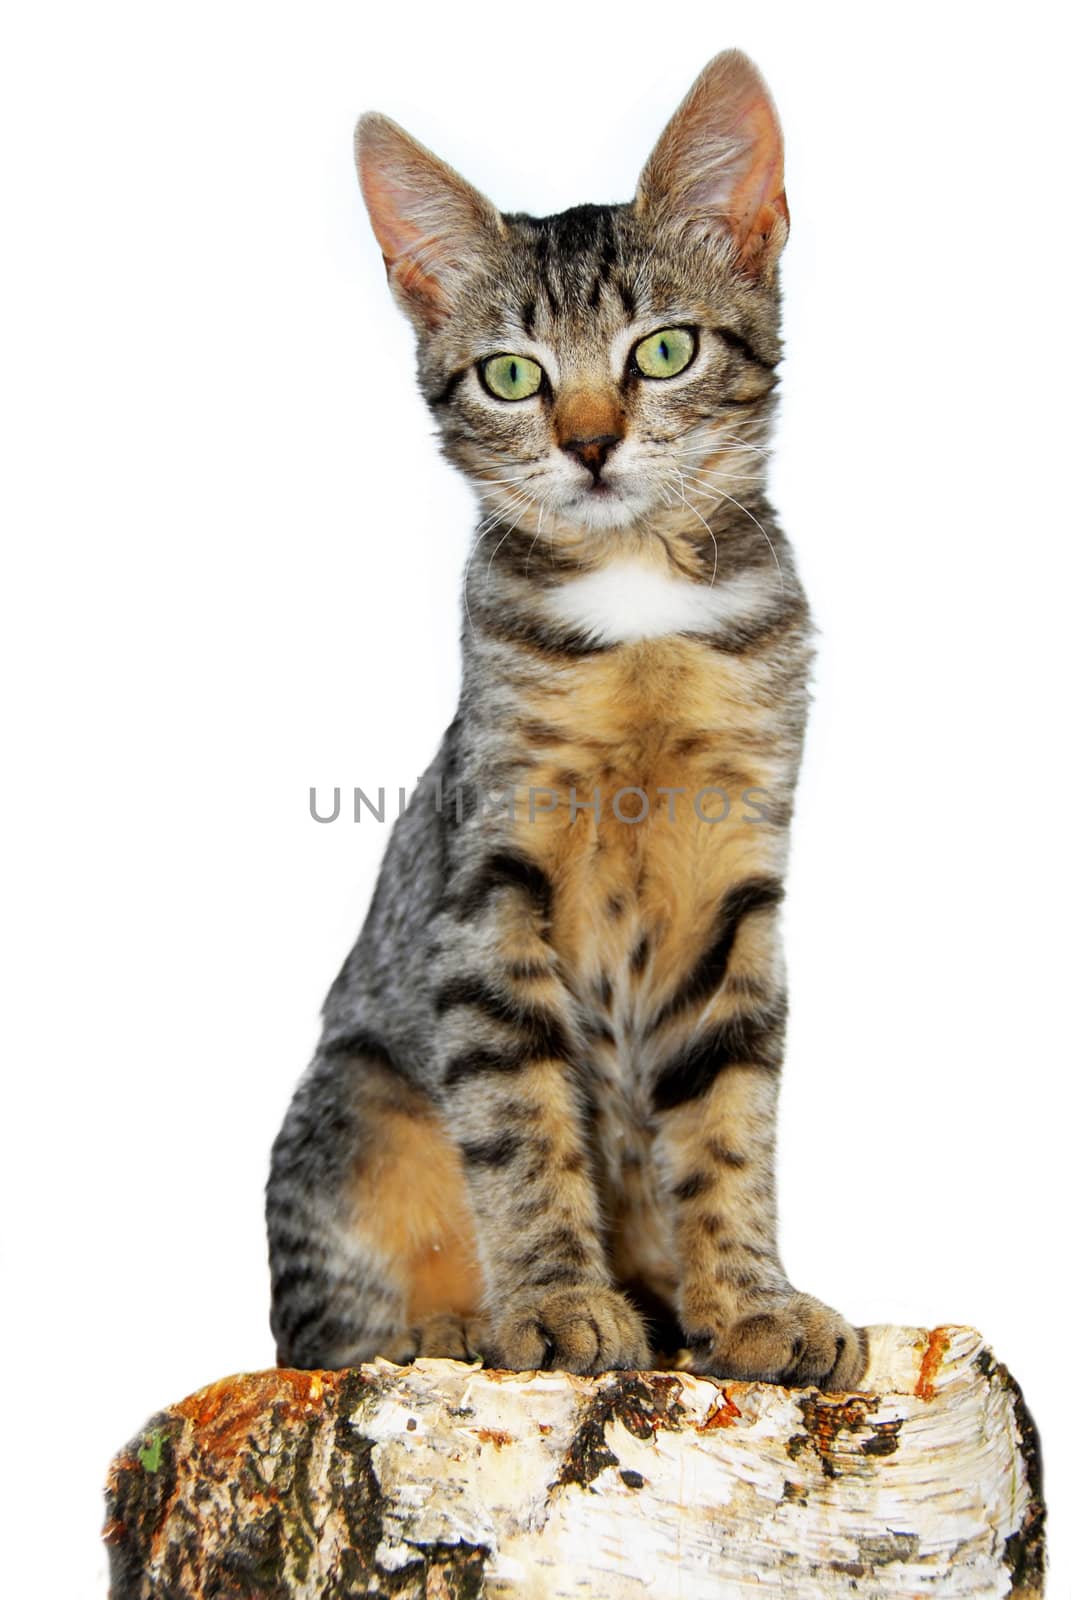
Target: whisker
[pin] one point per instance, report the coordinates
(527, 501)
(722, 494)
(719, 437)
(706, 525)
(535, 536)
(518, 497)
(737, 477)
(746, 444)
(518, 477)
(715, 447)
(495, 516)
(492, 522)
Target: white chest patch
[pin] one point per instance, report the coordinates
(626, 601)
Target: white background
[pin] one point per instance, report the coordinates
(231, 570)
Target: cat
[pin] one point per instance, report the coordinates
(540, 1123)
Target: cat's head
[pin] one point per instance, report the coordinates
(594, 371)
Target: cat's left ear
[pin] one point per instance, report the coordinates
(718, 169)
(430, 223)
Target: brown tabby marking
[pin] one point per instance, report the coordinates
(411, 1187)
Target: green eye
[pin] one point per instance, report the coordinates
(511, 377)
(665, 353)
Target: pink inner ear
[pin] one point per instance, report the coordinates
(748, 190)
(406, 249)
(721, 160)
(430, 223)
(757, 199)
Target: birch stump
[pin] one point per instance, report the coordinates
(443, 1480)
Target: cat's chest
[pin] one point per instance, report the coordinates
(652, 707)
(649, 767)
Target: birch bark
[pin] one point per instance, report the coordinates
(448, 1482)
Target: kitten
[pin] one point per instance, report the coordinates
(540, 1122)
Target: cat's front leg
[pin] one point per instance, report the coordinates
(511, 1091)
(715, 1100)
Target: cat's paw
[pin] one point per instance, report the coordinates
(799, 1341)
(582, 1328)
(446, 1335)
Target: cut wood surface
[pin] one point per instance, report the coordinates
(443, 1480)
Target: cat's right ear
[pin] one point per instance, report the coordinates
(717, 172)
(431, 224)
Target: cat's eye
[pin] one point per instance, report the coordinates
(511, 377)
(666, 353)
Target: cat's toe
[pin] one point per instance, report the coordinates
(834, 1354)
(798, 1342)
(402, 1349)
(583, 1328)
(444, 1336)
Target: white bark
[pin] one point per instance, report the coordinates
(443, 1480)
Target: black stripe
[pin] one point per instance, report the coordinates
(446, 393)
(757, 1252)
(567, 1245)
(737, 640)
(528, 316)
(504, 871)
(541, 636)
(296, 1275)
(560, 1247)
(541, 1031)
(736, 1277)
(316, 1316)
(458, 804)
(533, 560)
(475, 1063)
(740, 983)
(628, 299)
(496, 1152)
(530, 1210)
(753, 1041)
(638, 959)
(555, 1272)
(725, 1157)
(469, 990)
(528, 971)
(359, 1042)
(708, 974)
(698, 1183)
(737, 342)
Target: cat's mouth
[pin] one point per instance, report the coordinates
(601, 493)
(600, 488)
(604, 503)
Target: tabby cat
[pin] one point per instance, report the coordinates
(540, 1122)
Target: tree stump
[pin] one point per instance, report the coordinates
(444, 1480)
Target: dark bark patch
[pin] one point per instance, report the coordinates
(824, 1421)
(1024, 1550)
(885, 1440)
(642, 1405)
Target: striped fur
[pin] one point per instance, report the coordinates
(541, 1120)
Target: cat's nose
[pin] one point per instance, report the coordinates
(592, 451)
